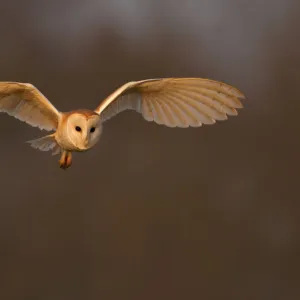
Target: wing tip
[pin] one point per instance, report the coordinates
(240, 95)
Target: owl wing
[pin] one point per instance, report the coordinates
(26, 103)
(174, 102)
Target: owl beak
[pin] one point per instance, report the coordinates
(86, 141)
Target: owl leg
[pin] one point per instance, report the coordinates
(65, 160)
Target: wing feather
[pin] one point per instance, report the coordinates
(170, 116)
(46, 143)
(206, 106)
(174, 102)
(202, 112)
(26, 103)
(180, 115)
(192, 116)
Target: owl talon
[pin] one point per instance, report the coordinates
(63, 166)
(65, 160)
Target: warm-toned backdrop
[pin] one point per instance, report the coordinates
(153, 212)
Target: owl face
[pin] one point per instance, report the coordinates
(83, 130)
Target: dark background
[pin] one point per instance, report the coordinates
(154, 212)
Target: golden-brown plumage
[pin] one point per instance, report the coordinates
(173, 102)
(24, 102)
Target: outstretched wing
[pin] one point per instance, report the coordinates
(174, 102)
(26, 103)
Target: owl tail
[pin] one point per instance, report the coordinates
(46, 143)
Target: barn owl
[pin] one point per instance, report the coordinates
(173, 102)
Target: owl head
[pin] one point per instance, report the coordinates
(83, 129)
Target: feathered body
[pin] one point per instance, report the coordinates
(173, 102)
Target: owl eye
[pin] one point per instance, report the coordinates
(77, 128)
(92, 129)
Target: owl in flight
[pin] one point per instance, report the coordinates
(173, 102)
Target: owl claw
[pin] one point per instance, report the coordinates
(64, 166)
(65, 160)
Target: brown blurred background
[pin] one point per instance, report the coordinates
(153, 212)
